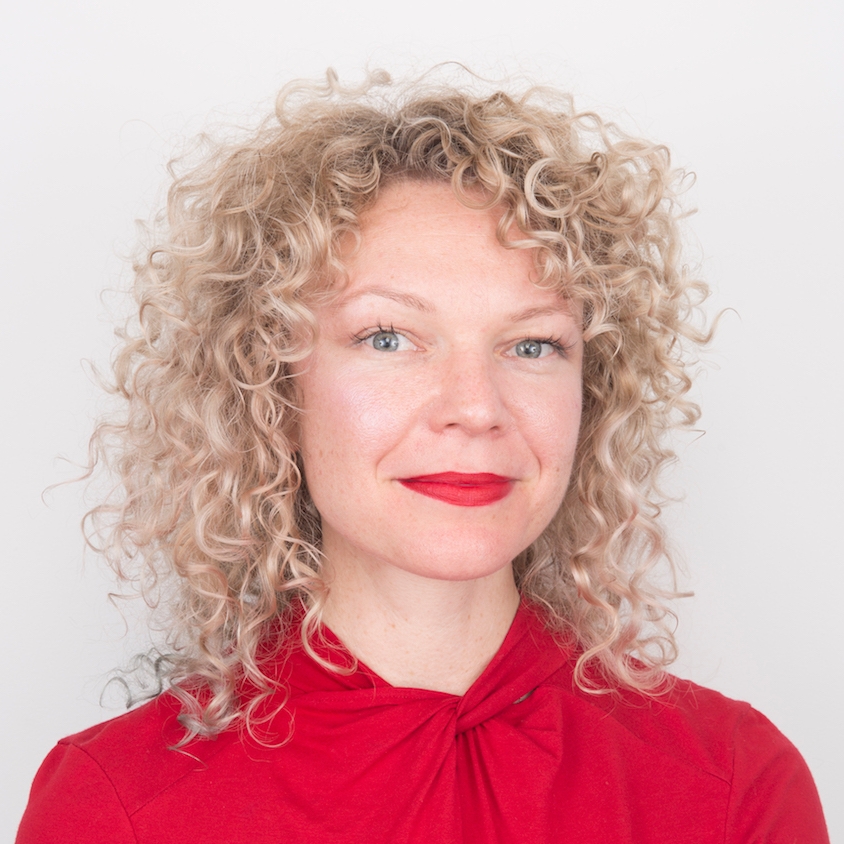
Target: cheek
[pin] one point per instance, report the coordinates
(554, 443)
(349, 420)
(550, 423)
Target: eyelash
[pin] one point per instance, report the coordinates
(555, 343)
(363, 336)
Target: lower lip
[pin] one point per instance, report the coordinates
(462, 490)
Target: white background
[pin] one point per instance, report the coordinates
(96, 96)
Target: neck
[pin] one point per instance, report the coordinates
(418, 632)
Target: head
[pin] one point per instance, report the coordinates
(440, 407)
(262, 238)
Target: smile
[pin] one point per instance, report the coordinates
(464, 490)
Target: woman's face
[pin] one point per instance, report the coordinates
(441, 404)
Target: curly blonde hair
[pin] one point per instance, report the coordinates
(211, 509)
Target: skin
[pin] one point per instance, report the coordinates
(421, 367)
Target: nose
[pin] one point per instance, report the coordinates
(470, 395)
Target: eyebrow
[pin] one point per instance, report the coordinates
(396, 295)
(427, 307)
(533, 313)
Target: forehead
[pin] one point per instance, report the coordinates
(419, 237)
(415, 213)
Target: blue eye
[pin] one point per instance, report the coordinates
(529, 349)
(534, 348)
(385, 341)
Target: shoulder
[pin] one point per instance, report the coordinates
(693, 724)
(690, 738)
(138, 750)
(98, 779)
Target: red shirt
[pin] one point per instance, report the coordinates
(523, 756)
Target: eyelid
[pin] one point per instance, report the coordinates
(361, 337)
(556, 343)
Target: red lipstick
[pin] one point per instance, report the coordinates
(464, 490)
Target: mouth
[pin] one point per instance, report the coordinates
(461, 489)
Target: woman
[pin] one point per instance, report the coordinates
(396, 411)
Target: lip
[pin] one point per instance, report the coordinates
(463, 489)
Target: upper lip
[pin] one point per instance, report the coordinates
(461, 478)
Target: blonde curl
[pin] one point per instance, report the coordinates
(211, 510)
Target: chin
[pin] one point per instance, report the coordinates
(461, 561)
